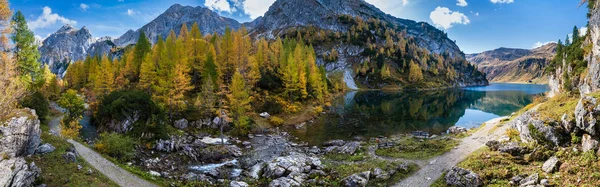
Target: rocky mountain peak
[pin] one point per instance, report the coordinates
(66, 28)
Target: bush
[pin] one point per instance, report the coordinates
(39, 103)
(276, 121)
(121, 104)
(116, 145)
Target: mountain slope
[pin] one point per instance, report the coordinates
(515, 65)
(65, 46)
(172, 19)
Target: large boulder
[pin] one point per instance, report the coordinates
(295, 162)
(357, 180)
(586, 114)
(512, 148)
(457, 130)
(122, 126)
(15, 172)
(45, 148)
(548, 132)
(283, 182)
(550, 165)
(462, 178)
(20, 136)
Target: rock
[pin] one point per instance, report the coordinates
(319, 173)
(70, 157)
(588, 144)
(238, 184)
(331, 149)
(512, 148)
(566, 123)
(214, 141)
(273, 171)
(181, 124)
(20, 136)
(154, 173)
(293, 163)
(531, 180)
(283, 182)
(15, 172)
(246, 143)
(504, 138)
(516, 180)
(349, 148)
(300, 126)
(550, 165)
(123, 125)
(79, 167)
(585, 115)
(550, 133)
(265, 115)
(298, 177)
(462, 178)
(357, 180)
(89, 171)
(45, 148)
(314, 150)
(379, 173)
(197, 177)
(334, 143)
(545, 182)
(457, 130)
(493, 145)
(255, 170)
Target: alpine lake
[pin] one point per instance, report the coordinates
(366, 114)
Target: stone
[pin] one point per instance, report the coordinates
(265, 115)
(238, 184)
(181, 124)
(331, 149)
(462, 178)
(283, 182)
(516, 180)
(273, 171)
(154, 173)
(334, 143)
(357, 180)
(319, 173)
(493, 145)
(79, 167)
(550, 165)
(298, 177)
(379, 173)
(349, 148)
(550, 133)
(20, 136)
(45, 148)
(504, 138)
(566, 123)
(16, 172)
(512, 148)
(246, 143)
(89, 171)
(457, 130)
(545, 182)
(70, 157)
(214, 141)
(531, 180)
(588, 143)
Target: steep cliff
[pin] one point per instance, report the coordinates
(19, 137)
(65, 46)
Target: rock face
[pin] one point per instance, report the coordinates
(549, 133)
(20, 136)
(591, 82)
(550, 165)
(462, 178)
(515, 65)
(356, 180)
(65, 46)
(588, 144)
(174, 18)
(586, 112)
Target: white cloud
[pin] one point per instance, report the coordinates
(502, 1)
(540, 44)
(48, 18)
(583, 31)
(476, 13)
(219, 5)
(257, 8)
(445, 18)
(462, 3)
(83, 7)
(131, 12)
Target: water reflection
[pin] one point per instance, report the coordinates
(375, 113)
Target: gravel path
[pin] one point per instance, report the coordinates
(433, 168)
(112, 171)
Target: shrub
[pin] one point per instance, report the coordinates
(513, 134)
(575, 139)
(276, 121)
(70, 128)
(121, 104)
(318, 110)
(38, 102)
(116, 145)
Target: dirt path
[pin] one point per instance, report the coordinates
(433, 168)
(109, 169)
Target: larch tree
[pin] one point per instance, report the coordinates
(239, 102)
(141, 49)
(11, 89)
(415, 72)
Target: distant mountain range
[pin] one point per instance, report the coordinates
(515, 65)
(68, 44)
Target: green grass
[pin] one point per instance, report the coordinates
(555, 107)
(440, 182)
(57, 172)
(412, 148)
(358, 156)
(344, 170)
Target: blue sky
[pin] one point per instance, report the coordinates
(475, 25)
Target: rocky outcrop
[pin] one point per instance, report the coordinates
(529, 121)
(19, 137)
(588, 144)
(357, 180)
(591, 82)
(550, 165)
(512, 148)
(65, 46)
(586, 114)
(462, 178)
(515, 65)
(210, 22)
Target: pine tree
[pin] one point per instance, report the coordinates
(26, 52)
(575, 34)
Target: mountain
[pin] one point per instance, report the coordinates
(365, 41)
(65, 46)
(515, 65)
(172, 19)
(289, 14)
